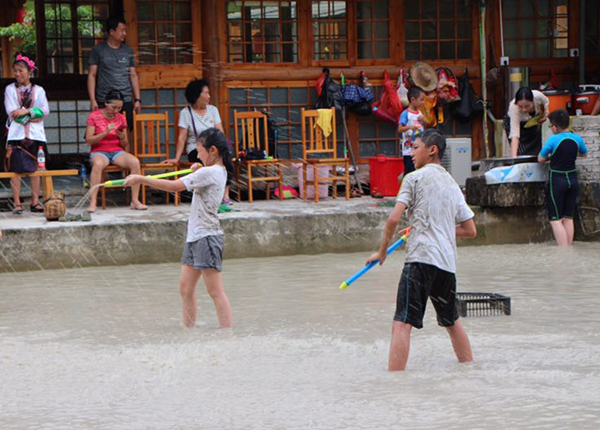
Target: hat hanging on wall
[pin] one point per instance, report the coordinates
(423, 76)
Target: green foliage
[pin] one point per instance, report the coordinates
(23, 34)
(58, 25)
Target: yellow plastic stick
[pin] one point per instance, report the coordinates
(118, 182)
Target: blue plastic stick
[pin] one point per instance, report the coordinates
(394, 246)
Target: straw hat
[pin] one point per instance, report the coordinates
(424, 76)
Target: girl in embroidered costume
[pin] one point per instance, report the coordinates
(26, 106)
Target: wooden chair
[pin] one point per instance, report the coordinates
(253, 138)
(316, 144)
(104, 178)
(151, 146)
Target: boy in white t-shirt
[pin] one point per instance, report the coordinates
(438, 214)
(410, 125)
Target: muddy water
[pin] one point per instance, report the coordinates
(104, 348)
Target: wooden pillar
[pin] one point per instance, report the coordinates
(213, 40)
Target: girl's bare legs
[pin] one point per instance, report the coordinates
(214, 286)
(35, 190)
(15, 185)
(187, 289)
(130, 162)
(99, 163)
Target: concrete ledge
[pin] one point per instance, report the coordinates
(508, 195)
(119, 236)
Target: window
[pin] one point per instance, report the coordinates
(377, 136)
(262, 32)
(165, 32)
(65, 126)
(284, 106)
(372, 29)
(536, 28)
(165, 100)
(592, 32)
(72, 28)
(437, 30)
(330, 32)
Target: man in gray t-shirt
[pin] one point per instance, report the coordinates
(112, 67)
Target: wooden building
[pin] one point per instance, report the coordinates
(268, 54)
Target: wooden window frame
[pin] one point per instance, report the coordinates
(390, 39)
(268, 86)
(164, 76)
(4, 57)
(280, 21)
(474, 20)
(350, 32)
(534, 40)
(42, 54)
(156, 22)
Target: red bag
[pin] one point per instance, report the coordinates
(389, 106)
(319, 83)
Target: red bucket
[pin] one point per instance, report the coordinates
(384, 172)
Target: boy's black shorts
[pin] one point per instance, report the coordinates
(420, 281)
(562, 195)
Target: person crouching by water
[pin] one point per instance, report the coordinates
(26, 106)
(562, 150)
(438, 214)
(524, 138)
(203, 250)
(106, 132)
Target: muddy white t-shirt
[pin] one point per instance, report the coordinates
(208, 186)
(435, 206)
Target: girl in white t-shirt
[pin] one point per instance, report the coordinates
(203, 252)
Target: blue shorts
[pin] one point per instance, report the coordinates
(110, 156)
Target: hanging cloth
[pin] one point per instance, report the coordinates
(324, 121)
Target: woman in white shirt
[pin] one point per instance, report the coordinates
(527, 104)
(26, 106)
(198, 116)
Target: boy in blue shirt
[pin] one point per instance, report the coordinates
(562, 150)
(438, 214)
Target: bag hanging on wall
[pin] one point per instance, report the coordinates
(402, 90)
(388, 107)
(358, 98)
(447, 89)
(470, 104)
(330, 94)
(428, 109)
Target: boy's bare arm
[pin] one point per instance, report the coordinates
(403, 128)
(388, 233)
(466, 229)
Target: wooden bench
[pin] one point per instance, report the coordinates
(46, 176)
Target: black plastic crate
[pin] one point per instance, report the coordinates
(482, 304)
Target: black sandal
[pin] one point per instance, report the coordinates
(18, 210)
(38, 208)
